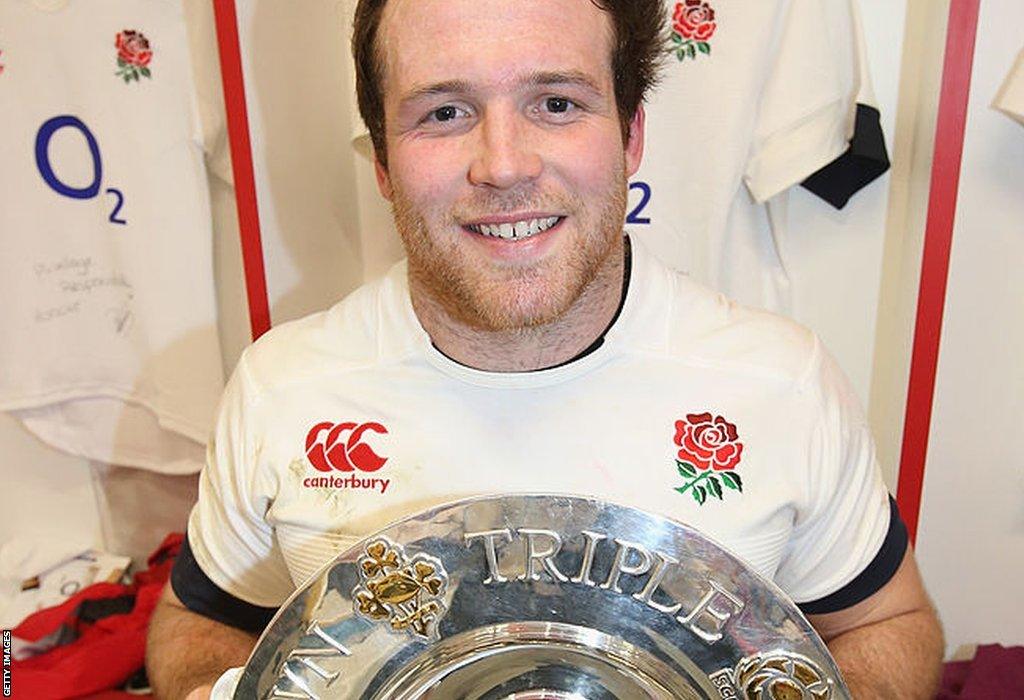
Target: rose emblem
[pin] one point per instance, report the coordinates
(709, 450)
(693, 23)
(133, 55)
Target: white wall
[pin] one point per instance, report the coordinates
(971, 541)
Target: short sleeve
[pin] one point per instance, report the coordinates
(807, 110)
(230, 538)
(866, 157)
(844, 519)
(1010, 98)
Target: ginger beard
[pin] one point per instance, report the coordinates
(489, 295)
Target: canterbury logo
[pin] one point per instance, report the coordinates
(340, 446)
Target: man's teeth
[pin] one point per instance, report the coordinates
(517, 230)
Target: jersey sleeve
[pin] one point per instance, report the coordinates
(1010, 98)
(230, 538)
(807, 110)
(844, 518)
(866, 157)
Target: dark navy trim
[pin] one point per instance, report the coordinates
(202, 596)
(863, 162)
(878, 573)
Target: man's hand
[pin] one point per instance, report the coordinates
(186, 652)
(889, 645)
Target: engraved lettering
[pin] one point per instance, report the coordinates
(315, 628)
(621, 566)
(300, 682)
(588, 558)
(706, 610)
(646, 596)
(488, 536)
(723, 682)
(545, 556)
(305, 656)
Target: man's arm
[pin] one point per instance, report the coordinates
(186, 651)
(889, 645)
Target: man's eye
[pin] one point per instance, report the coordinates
(444, 114)
(558, 105)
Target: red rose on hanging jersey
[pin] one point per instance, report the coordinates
(340, 446)
(133, 47)
(694, 19)
(133, 55)
(708, 442)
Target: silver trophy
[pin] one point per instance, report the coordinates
(539, 597)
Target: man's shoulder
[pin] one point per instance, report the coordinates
(705, 327)
(350, 335)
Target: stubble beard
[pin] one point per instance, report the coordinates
(485, 296)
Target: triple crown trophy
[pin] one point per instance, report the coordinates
(539, 598)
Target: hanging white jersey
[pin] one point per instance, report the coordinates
(756, 97)
(110, 346)
(1010, 99)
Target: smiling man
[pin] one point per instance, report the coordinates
(526, 345)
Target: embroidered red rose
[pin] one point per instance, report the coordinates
(694, 19)
(708, 442)
(133, 55)
(133, 48)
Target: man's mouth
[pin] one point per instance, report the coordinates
(515, 230)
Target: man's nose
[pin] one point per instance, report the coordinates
(506, 153)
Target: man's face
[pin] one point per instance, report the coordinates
(506, 166)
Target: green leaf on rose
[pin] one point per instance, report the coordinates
(692, 52)
(676, 38)
(700, 495)
(733, 481)
(716, 488)
(145, 72)
(704, 46)
(681, 54)
(120, 62)
(686, 469)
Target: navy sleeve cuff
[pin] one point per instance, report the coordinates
(199, 594)
(863, 162)
(878, 573)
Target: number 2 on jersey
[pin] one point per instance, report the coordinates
(634, 216)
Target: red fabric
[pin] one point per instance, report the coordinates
(995, 672)
(105, 653)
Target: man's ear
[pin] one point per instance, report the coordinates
(383, 179)
(635, 142)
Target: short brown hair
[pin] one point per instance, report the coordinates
(636, 59)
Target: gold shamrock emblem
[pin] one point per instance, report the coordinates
(405, 591)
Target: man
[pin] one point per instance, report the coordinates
(527, 346)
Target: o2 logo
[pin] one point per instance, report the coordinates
(340, 446)
(635, 215)
(46, 132)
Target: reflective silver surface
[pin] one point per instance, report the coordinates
(539, 598)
